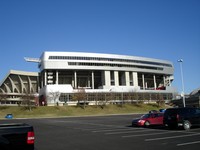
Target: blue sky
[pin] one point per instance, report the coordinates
(162, 29)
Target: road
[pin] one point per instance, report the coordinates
(107, 133)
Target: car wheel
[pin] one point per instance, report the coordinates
(147, 124)
(186, 125)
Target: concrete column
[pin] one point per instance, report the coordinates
(107, 78)
(143, 83)
(75, 80)
(45, 77)
(127, 77)
(154, 80)
(92, 79)
(135, 79)
(56, 76)
(169, 81)
(116, 77)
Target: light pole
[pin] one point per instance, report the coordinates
(183, 93)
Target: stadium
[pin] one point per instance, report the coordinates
(66, 76)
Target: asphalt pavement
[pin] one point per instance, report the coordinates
(107, 133)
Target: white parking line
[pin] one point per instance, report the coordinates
(116, 129)
(128, 131)
(188, 143)
(136, 135)
(93, 124)
(172, 137)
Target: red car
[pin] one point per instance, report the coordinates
(149, 119)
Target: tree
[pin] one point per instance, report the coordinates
(3, 97)
(54, 96)
(81, 97)
(96, 98)
(102, 102)
(136, 97)
(28, 101)
(160, 100)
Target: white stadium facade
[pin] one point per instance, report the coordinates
(62, 75)
(66, 72)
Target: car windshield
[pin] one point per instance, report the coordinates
(145, 116)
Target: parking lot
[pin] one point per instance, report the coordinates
(107, 132)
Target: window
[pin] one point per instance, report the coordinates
(110, 60)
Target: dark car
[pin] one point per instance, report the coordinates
(185, 117)
(149, 119)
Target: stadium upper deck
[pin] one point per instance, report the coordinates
(96, 71)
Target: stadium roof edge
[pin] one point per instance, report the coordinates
(107, 55)
(19, 73)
